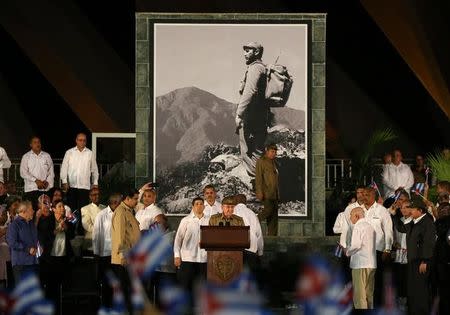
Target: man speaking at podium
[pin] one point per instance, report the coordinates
(226, 218)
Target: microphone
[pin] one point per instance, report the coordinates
(220, 223)
(227, 223)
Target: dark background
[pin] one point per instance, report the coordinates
(368, 84)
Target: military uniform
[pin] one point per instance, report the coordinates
(254, 112)
(266, 184)
(218, 218)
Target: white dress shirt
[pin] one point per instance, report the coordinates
(147, 216)
(346, 225)
(419, 218)
(395, 176)
(380, 219)
(362, 250)
(400, 241)
(251, 220)
(339, 223)
(36, 166)
(187, 239)
(214, 209)
(4, 163)
(88, 215)
(59, 244)
(77, 167)
(101, 235)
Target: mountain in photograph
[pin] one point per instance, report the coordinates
(189, 119)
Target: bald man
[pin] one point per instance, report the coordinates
(363, 260)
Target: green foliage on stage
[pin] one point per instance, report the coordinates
(363, 165)
(439, 163)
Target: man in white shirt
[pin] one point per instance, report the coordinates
(146, 216)
(380, 219)
(36, 169)
(88, 215)
(77, 170)
(252, 254)
(212, 206)
(4, 163)
(101, 240)
(141, 204)
(343, 224)
(396, 176)
(363, 260)
(189, 258)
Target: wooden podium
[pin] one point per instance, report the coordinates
(224, 245)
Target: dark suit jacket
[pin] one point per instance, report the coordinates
(46, 236)
(420, 238)
(442, 252)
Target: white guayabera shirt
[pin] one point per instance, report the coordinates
(4, 162)
(77, 167)
(251, 220)
(187, 239)
(395, 176)
(36, 166)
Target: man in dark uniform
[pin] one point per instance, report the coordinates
(266, 184)
(226, 218)
(252, 110)
(420, 240)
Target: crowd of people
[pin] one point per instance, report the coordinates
(48, 227)
(392, 227)
(395, 227)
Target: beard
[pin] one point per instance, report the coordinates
(249, 60)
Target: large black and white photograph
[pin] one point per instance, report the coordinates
(222, 94)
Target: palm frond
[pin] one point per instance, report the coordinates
(362, 162)
(440, 166)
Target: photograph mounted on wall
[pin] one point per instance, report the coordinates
(221, 93)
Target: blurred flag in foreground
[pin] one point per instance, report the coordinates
(27, 298)
(118, 302)
(239, 297)
(151, 250)
(321, 289)
(389, 306)
(173, 299)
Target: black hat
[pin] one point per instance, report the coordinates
(417, 202)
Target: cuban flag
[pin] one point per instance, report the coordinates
(137, 293)
(245, 282)
(230, 301)
(28, 298)
(338, 251)
(241, 296)
(419, 188)
(389, 306)
(375, 186)
(72, 217)
(151, 250)
(118, 303)
(321, 290)
(314, 278)
(174, 299)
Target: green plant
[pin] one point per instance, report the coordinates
(362, 163)
(440, 165)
